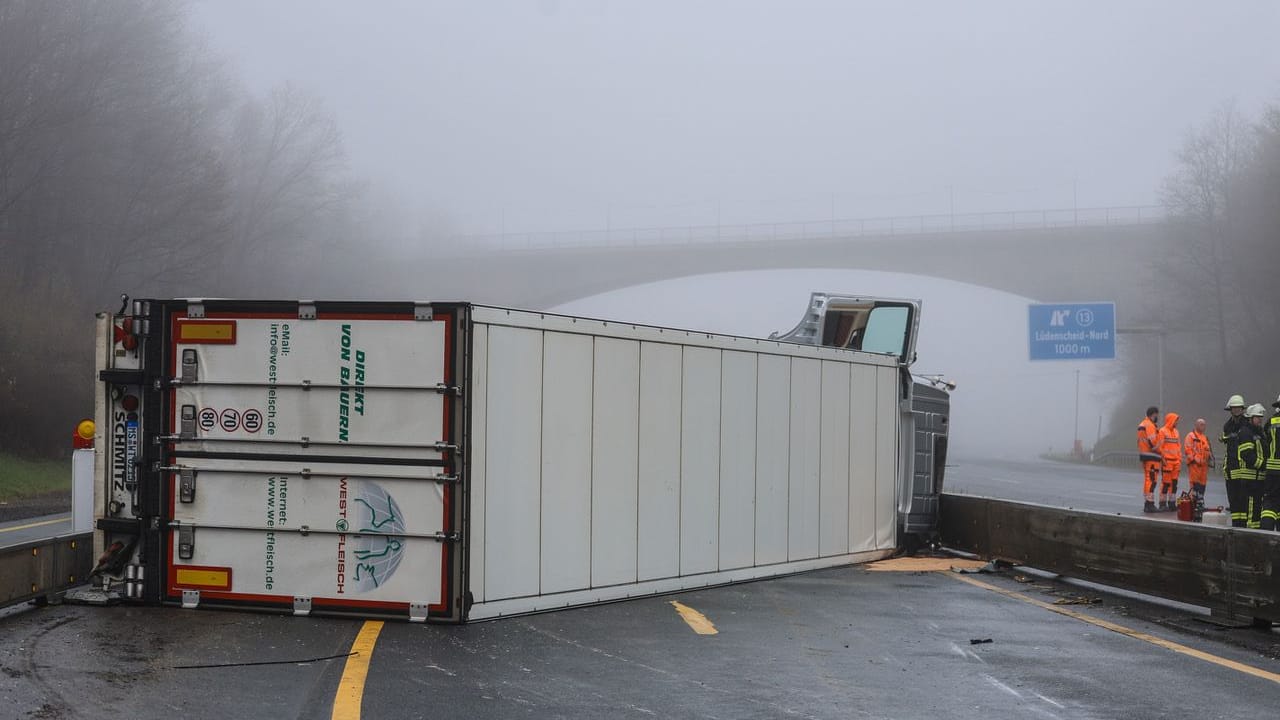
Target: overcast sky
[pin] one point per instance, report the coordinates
(550, 115)
(531, 115)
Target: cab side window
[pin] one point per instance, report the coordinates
(886, 330)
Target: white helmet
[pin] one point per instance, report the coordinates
(1236, 401)
(1255, 410)
(1276, 404)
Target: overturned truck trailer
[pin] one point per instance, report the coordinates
(455, 462)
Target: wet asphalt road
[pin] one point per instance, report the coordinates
(1060, 484)
(16, 532)
(837, 643)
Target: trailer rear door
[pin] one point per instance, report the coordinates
(309, 458)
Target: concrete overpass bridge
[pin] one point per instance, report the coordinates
(1051, 255)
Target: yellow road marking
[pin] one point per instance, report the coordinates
(1129, 632)
(695, 619)
(346, 704)
(36, 524)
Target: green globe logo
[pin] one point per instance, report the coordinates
(342, 525)
(379, 543)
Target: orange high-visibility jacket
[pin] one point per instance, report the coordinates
(1171, 443)
(1148, 441)
(1197, 448)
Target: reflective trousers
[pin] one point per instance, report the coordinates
(1199, 474)
(1169, 482)
(1245, 498)
(1150, 479)
(1270, 500)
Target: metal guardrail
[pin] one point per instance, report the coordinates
(1126, 459)
(1228, 570)
(809, 230)
(1118, 458)
(44, 569)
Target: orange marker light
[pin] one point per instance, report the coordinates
(83, 437)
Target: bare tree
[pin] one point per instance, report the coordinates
(1199, 196)
(131, 162)
(110, 179)
(288, 175)
(108, 169)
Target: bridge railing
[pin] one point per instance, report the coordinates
(812, 229)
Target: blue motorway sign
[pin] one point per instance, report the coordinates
(1073, 331)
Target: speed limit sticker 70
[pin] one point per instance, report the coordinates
(231, 420)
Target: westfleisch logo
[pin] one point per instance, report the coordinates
(368, 559)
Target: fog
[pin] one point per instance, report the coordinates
(511, 117)
(1005, 405)
(336, 150)
(557, 115)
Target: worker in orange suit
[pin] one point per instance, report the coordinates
(1149, 454)
(1171, 462)
(1199, 459)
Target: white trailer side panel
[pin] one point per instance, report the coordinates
(669, 460)
(806, 414)
(566, 462)
(477, 487)
(737, 512)
(513, 452)
(700, 461)
(773, 427)
(614, 462)
(863, 418)
(886, 457)
(833, 472)
(661, 382)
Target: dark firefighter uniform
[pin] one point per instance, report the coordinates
(1235, 498)
(1271, 473)
(1243, 470)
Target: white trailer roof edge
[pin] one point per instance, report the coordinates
(510, 317)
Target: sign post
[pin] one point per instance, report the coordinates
(1072, 331)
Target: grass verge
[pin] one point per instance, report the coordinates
(22, 478)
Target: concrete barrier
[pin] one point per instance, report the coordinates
(1228, 570)
(44, 569)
